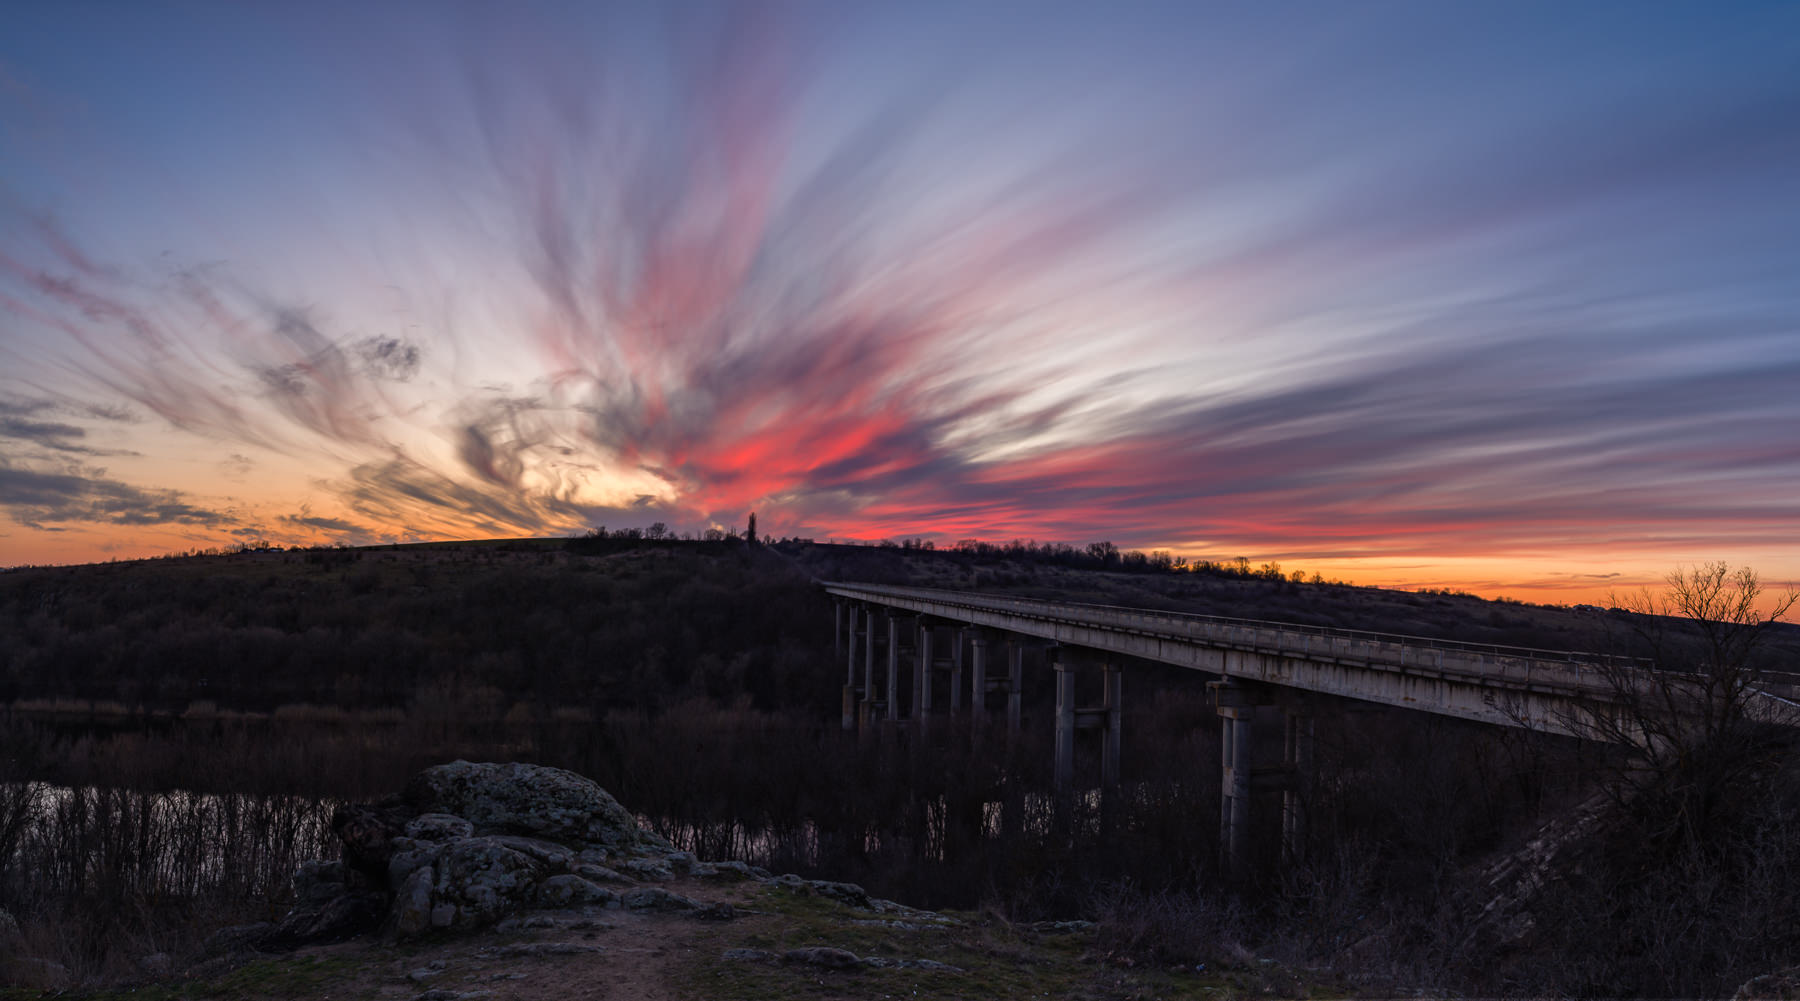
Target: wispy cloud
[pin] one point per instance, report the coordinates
(41, 499)
(1069, 282)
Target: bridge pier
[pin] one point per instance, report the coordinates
(866, 708)
(922, 674)
(1065, 721)
(1241, 777)
(893, 666)
(1298, 755)
(849, 720)
(1108, 716)
(1015, 686)
(957, 641)
(1112, 703)
(1236, 702)
(980, 642)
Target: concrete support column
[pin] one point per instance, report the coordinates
(850, 658)
(837, 625)
(868, 686)
(1237, 701)
(850, 674)
(922, 680)
(1112, 691)
(1065, 724)
(978, 651)
(956, 671)
(1015, 685)
(893, 677)
(1298, 755)
(1234, 789)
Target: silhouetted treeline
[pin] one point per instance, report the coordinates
(632, 626)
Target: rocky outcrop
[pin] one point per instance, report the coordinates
(529, 800)
(469, 845)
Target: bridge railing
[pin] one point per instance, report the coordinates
(1521, 664)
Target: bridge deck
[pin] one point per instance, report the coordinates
(1560, 691)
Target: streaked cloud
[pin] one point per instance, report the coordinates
(1307, 285)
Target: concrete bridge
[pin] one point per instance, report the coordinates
(933, 632)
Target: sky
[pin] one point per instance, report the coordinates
(1502, 297)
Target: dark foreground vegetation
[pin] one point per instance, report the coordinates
(178, 731)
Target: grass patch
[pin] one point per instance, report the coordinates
(275, 977)
(994, 960)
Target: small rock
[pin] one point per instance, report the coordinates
(682, 862)
(424, 973)
(657, 898)
(652, 869)
(412, 912)
(438, 827)
(548, 852)
(572, 891)
(238, 938)
(318, 881)
(534, 922)
(720, 911)
(520, 949)
(844, 893)
(932, 964)
(158, 964)
(822, 955)
(1062, 927)
(732, 870)
(748, 956)
(599, 874)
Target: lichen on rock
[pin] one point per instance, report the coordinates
(533, 800)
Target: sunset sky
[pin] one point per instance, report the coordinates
(1502, 297)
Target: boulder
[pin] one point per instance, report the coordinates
(573, 891)
(532, 800)
(470, 845)
(482, 881)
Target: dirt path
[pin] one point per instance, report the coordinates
(785, 941)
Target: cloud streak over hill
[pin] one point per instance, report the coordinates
(1425, 286)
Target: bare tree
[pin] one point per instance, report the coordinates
(1692, 712)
